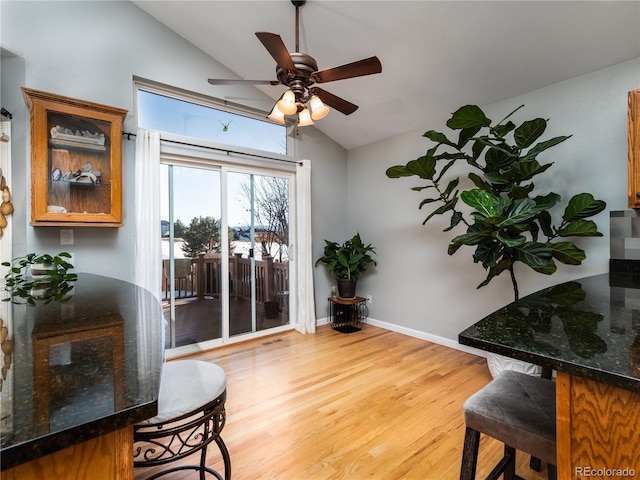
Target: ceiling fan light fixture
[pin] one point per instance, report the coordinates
(276, 115)
(287, 104)
(304, 118)
(318, 109)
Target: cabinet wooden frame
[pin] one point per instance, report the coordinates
(76, 177)
(634, 149)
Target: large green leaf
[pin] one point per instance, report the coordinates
(512, 242)
(496, 159)
(469, 116)
(480, 200)
(542, 146)
(478, 146)
(503, 129)
(479, 182)
(583, 205)
(548, 269)
(534, 254)
(424, 167)
(475, 234)
(438, 137)
(567, 253)
(487, 253)
(530, 131)
(526, 170)
(580, 228)
(518, 191)
(497, 178)
(522, 209)
(501, 205)
(398, 171)
(466, 134)
(546, 202)
(544, 218)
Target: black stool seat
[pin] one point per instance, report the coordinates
(520, 411)
(191, 415)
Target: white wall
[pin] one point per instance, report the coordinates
(91, 50)
(417, 285)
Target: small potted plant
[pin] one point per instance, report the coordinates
(39, 277)
(346, 262)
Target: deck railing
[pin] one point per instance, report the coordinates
(201, 276)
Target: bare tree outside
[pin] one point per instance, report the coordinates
(271, 213)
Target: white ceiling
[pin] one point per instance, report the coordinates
(436, 55)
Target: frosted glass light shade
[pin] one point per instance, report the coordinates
(287, 104)
(276, 115)
(318, 109)
(304, 118)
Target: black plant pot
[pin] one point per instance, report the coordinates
(346, 288)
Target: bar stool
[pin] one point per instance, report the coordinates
(191, 415)
(520, 411)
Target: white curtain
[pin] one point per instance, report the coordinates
(306, 308)
(147, 247)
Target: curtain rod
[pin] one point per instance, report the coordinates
(227, 151)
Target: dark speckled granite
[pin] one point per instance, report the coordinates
(103, 371)
(588, 327)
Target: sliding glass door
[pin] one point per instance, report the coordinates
(259, 260)
(192, 253)
(225, 239)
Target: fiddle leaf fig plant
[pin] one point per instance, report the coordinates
(508, 223)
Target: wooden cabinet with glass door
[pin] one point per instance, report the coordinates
(76, 161)
(634, 149)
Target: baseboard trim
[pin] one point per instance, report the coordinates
(446, 342)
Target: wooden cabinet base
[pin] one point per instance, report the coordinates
(107, 457)
(598, 429)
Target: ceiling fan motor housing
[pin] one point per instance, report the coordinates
(300, 79)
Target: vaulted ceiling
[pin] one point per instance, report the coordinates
(436, 55)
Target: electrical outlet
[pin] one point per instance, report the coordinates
(66, 236)
(369, 300)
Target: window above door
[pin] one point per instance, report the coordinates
(206, 118)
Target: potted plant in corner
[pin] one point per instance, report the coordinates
(346, 262)
(506, 223)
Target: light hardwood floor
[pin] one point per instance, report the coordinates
(368, 405)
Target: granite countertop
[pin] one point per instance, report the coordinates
(588, 328)
(79, 369)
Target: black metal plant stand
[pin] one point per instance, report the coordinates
(348, 315)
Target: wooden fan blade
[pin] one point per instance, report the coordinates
(336, 102)
(222, 81)
(367, 66)
(275, 46)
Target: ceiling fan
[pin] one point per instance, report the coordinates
(300, 73)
